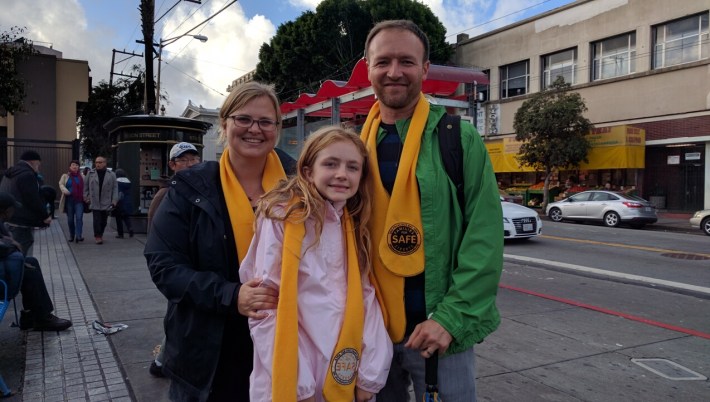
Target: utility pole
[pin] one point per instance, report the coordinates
(147, 9)
(113, 63)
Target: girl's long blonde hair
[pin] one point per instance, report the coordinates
(298, 199)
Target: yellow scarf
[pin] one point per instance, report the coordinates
(396, 224)
(344, 363)
(237, 201)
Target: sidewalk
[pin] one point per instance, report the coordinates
(543, 351)
(88, 282)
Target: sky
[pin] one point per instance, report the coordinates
(200, 72)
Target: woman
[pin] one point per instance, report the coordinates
(200, 233)
(71, 184)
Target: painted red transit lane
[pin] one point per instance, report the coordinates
(608, 311)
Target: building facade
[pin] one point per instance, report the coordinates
(212, 150)
(643, 69)
(57, 90)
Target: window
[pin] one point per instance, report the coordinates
(514, 79)
(614, 57)
(482, 90)
(561, 64)
(580, 197)
(681, 41)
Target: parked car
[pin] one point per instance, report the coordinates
(701, 220)
(609, 207)
(519, 222)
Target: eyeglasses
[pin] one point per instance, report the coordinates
(195, 159)
(247, 122)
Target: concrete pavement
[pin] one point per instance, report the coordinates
(545, 349)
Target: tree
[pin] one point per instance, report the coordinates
(106, 102)
(13, 52)
(328, 43)
(553, 129)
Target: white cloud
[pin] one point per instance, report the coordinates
(231, 51)
(308, 4)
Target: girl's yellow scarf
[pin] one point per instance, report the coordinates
(344, 363)
(237, 201)
(396, 224)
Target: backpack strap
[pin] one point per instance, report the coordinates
(449, 132)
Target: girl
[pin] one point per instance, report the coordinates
(326, 341)
(71, 185)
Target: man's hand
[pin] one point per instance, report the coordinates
(48, 221)
(362, 395)
(253, 297)
(429, 337)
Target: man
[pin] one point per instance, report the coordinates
(182, 155)
(437, 263)
(26, 273)
(22, 182)
(101, 192)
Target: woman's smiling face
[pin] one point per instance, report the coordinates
(251, 142)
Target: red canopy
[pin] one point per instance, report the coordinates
(442, 81)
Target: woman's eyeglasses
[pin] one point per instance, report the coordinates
(247, 122)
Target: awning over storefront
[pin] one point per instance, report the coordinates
(442, 81)
(617, 147)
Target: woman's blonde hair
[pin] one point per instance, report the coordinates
(298, 199)
(239, 97)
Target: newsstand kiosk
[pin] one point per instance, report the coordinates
(140, 146)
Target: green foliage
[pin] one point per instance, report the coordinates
(106, 102)
(552, 127)
(13, 51)
(328, 43)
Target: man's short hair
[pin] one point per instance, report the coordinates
(406, 25)
(30, 156)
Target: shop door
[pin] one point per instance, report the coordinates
(694, 177)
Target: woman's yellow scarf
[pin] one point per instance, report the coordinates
(396, 224)
(344, 362)
(237, 201)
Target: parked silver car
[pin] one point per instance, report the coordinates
(609, 207)
(519, 222)
(701, 220)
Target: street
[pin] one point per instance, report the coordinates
(583, 303)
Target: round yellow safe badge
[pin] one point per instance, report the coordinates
(403, 238)
(344, 366)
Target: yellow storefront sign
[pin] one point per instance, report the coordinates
(618, 147)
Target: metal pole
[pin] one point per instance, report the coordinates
(157, 86)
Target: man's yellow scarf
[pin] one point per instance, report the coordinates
(396, 224)
(344, 363)
(238, 204)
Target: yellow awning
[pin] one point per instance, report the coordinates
(618, 147)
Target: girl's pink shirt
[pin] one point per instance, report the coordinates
(322, 280)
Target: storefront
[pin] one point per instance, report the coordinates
(140, 147)
(616, 157)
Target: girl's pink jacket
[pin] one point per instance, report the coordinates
(321, 304)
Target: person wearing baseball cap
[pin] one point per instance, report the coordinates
(22, 182)
(182, 155)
